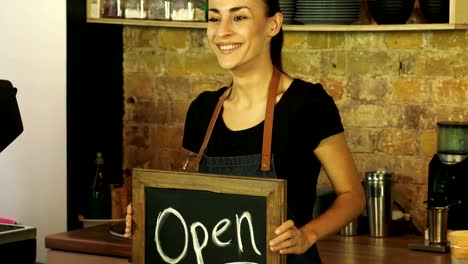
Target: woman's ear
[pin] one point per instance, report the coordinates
(275, 23)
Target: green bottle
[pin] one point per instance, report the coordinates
(100, 204)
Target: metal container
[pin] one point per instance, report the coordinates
(18, 243)
(378, 186)
(350, 229)
(437, 224)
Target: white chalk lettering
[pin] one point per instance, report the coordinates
(196, 244)
(248, 217)
(217, 232)
(160, 220)
(221, 227)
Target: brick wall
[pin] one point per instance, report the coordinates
(391, 89)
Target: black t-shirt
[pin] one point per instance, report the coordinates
(303, 117)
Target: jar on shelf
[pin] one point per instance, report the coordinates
(135, 9)
(159, 9)
(185, 10)
(112, 8)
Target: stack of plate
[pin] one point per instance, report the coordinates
(391, 11)
(288, 8)
(342, 12)
(435, 11)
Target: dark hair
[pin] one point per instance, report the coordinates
(276, 45)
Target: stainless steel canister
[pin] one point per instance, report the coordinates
(378, 185)
(437, 224)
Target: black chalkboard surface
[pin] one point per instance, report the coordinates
(192, 218)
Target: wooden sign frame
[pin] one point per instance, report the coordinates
(274, 190)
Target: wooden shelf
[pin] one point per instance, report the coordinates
(177, 24)
(457, 20)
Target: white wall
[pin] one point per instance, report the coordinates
(33, 167)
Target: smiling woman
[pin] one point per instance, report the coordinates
(269, 124)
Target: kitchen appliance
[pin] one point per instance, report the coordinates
(18, 243)
(11, 125)
(448, 173)
(447, 184)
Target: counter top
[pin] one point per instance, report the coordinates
(360, 249)
(364, 249)
(96, 240)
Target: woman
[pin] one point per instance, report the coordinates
(307, 133)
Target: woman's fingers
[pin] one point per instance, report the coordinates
(289, 240)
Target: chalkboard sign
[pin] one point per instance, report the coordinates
(193, 218)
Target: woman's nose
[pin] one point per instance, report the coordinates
(225, 28)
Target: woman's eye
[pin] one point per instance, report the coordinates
(212, 19)
(239, 18)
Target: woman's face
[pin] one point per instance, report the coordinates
(239, 32)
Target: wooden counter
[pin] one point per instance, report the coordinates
(364, 249)
(97, 241)
(88, 245)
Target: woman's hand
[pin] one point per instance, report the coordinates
(128, 222)
(291, 240)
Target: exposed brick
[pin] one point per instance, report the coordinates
(317, 40)
(404, 40)
(461, 64)
(411, 90)
(428, 143)
(381, 161)
(397, 141)
(354, 114)
(143, 60)
(172, 88)
(365, 41)
(166, 136)
(368, 88)
(197, 61)
(428, 64)
(333, 86)
(174, 38)
(301, 63)
(333, 62)
(413, 170)
(451, 92)
(294, 40)
(412, 116)
(374, 63)
(451, 113)
(360, 140)
(179, 111)
(139, 84)
(411, 197)
(198, 39)
(140, 37)
(448, 39)
(336, 40)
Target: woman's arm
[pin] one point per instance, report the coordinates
(336, 159)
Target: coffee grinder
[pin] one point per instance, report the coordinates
(448, 173)
(447, 185)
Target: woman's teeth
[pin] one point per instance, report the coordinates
(228, 47)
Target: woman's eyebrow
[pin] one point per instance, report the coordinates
(232, 9)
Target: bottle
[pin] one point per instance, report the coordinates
(100, 198)
(112, 8)
(135, 9)
(159, 9)
(188, 10)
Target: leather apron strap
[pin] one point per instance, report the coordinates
(267, 127)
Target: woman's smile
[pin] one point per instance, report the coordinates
(227, 48)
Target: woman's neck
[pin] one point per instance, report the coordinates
(250, 88)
